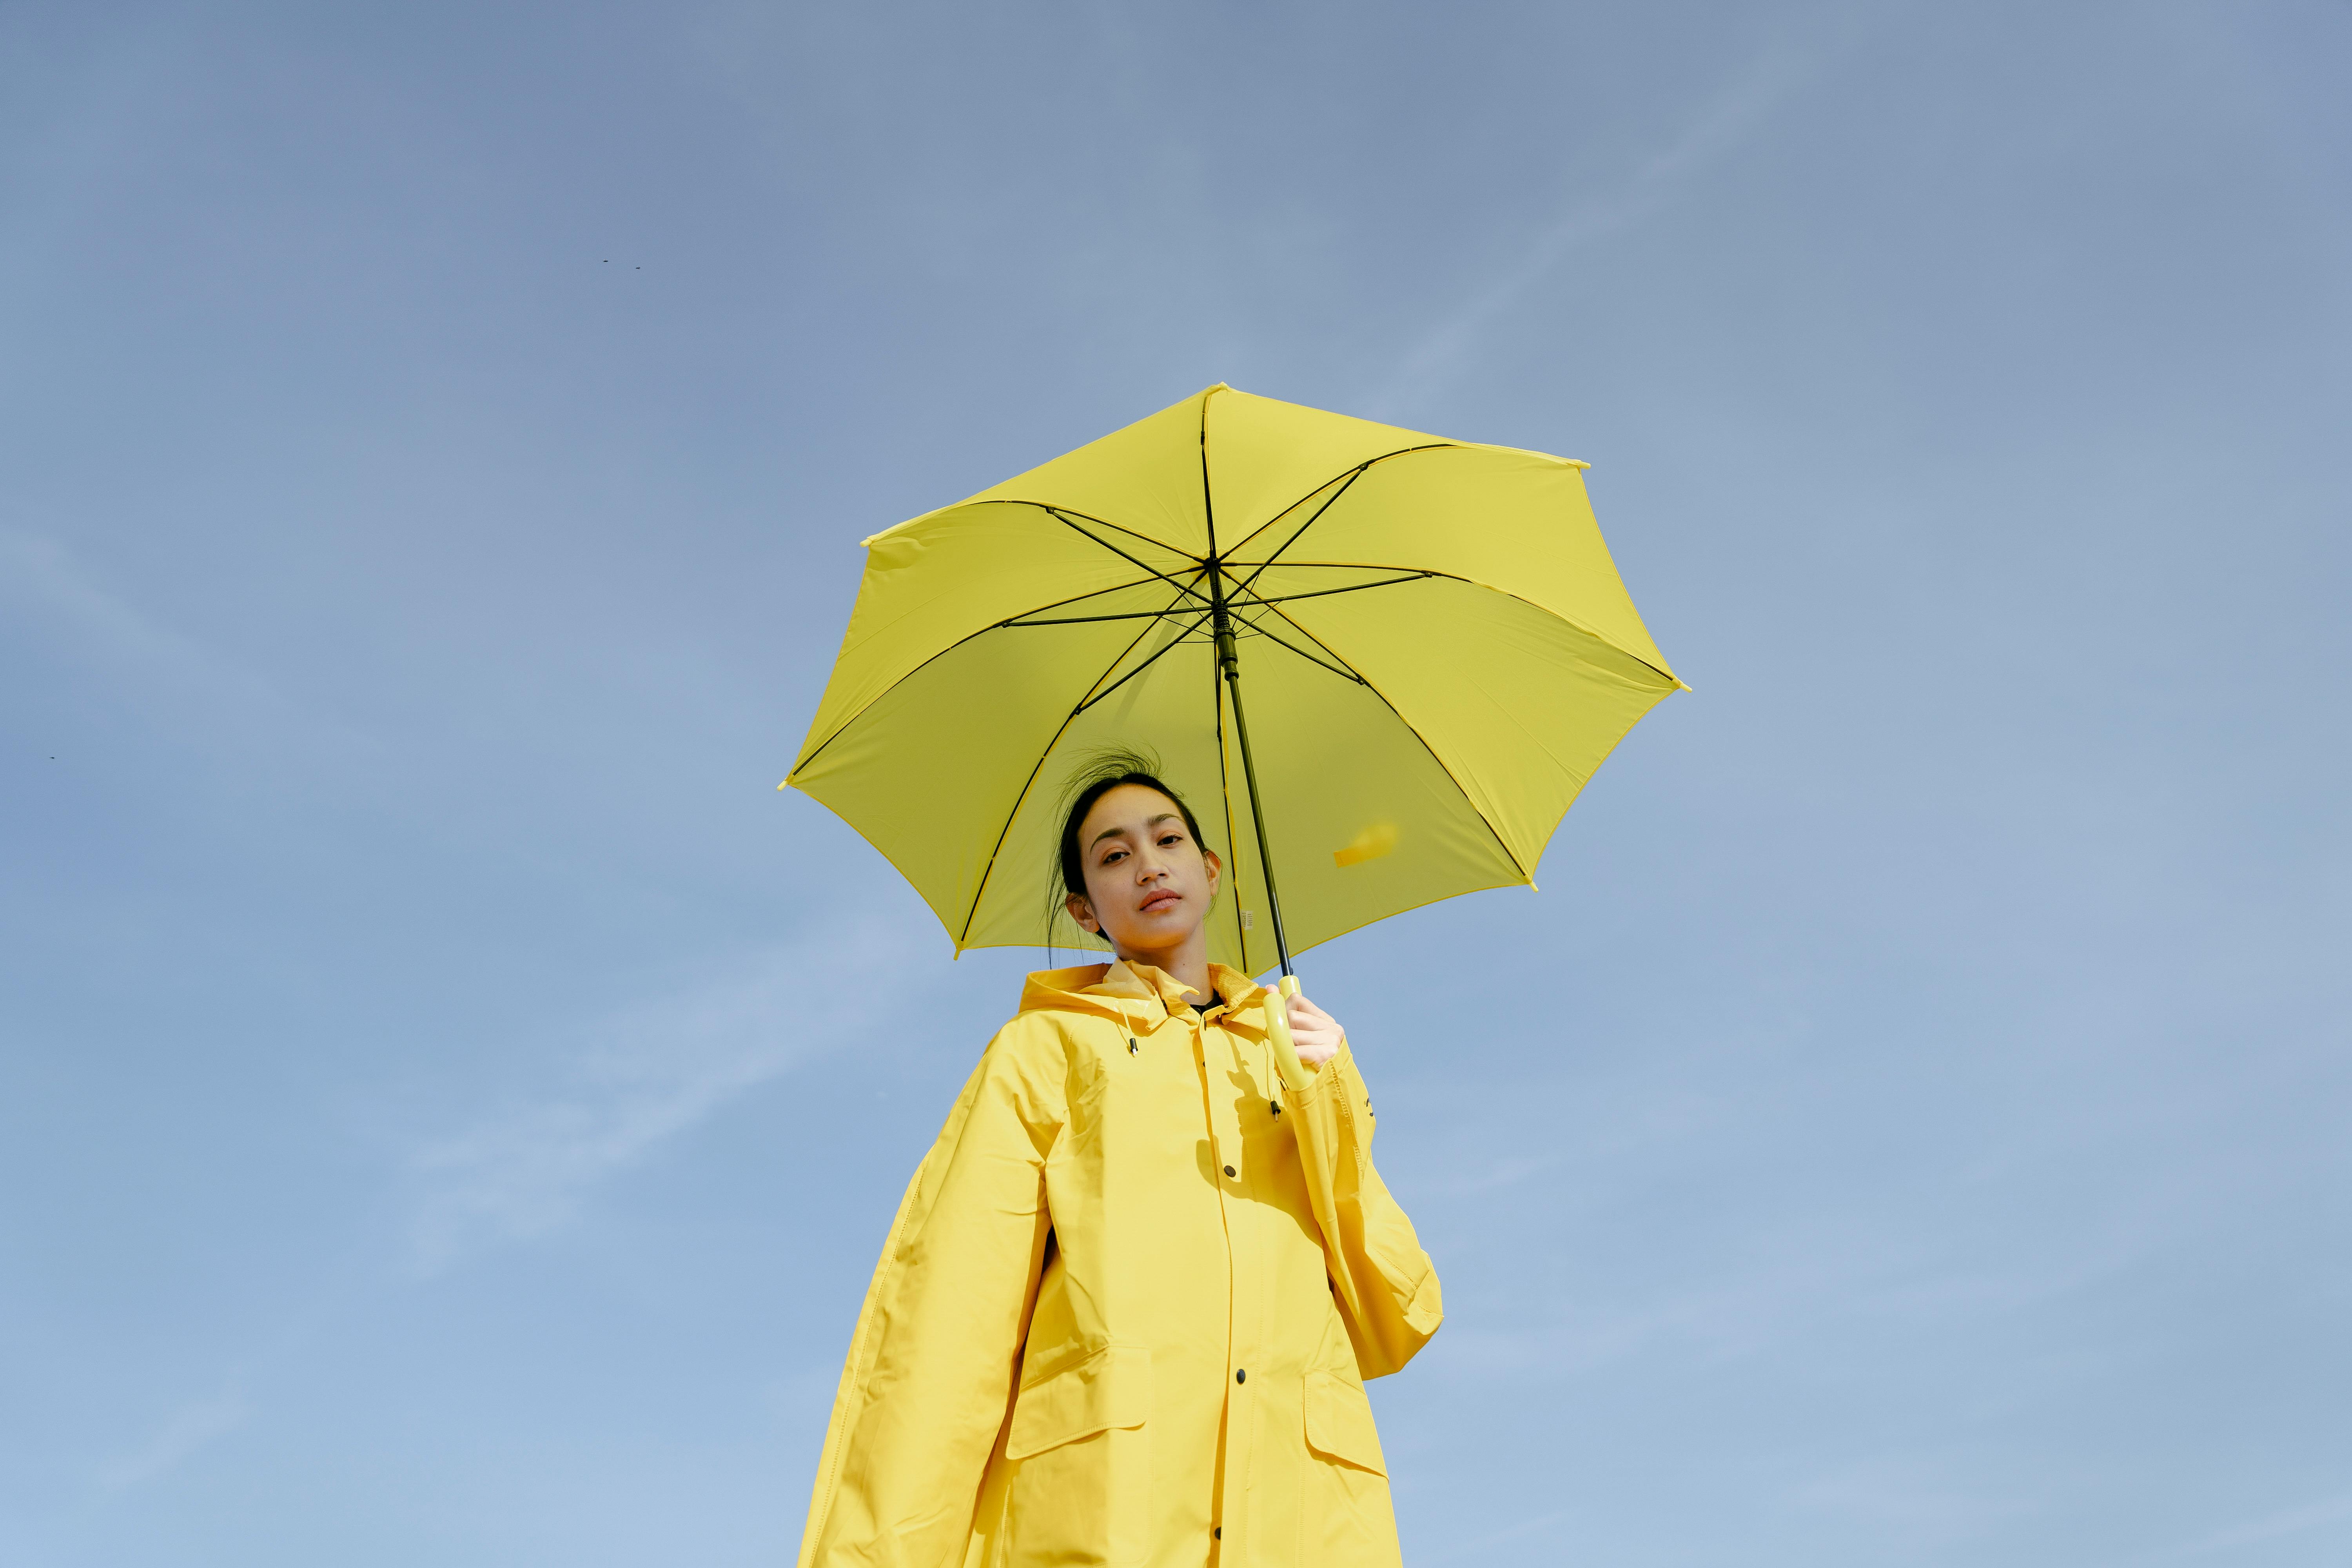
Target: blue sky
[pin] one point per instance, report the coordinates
(450, 1103)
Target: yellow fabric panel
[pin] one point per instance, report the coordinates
(1171, 709)
(931, 770)
(1514, 520)
(1145, 476)
(1265, 455)
(1333, 760)
(1519, 705)
(943, 578)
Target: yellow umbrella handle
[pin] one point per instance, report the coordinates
(1294, 1073)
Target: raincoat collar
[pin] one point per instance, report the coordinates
(1121, 989)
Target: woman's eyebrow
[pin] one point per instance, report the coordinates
(1115, 832)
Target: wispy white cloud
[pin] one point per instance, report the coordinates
(1446, 350)
(175, 681)
(649, 1077)
(186, 1430)
(43, 577)
(2272, 1526)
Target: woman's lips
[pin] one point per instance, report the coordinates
(1160, 901)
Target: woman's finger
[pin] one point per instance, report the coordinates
(1315, 1033)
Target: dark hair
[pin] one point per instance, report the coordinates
(1103, 773)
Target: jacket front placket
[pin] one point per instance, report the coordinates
(1221, 1063)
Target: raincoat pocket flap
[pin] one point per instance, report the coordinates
(1339, 1423)
(1109, 1388)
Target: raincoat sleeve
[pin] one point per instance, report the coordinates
(932, 1365)
(1384, 1283)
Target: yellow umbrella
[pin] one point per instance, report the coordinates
(1435, 644)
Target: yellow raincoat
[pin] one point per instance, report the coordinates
(1126, 1310)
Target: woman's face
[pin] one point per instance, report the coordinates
(1147, 884)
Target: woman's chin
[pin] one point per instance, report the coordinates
(1159, 931)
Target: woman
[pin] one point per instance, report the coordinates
(1126, 1309)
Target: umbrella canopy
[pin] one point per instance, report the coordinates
(1435, 644)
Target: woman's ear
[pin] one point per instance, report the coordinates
(1216, 869)
(1084, 913)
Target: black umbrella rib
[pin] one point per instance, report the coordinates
(1350, 588)
(1492, 831)
(1023, 617)
(1173, 643)
(1243, 586)
(1064, 518)
(1484, 587)
(1417, 735)
(849, 722)
(1335, 665)
(1065, 513)
(1354, 474)
(929, 659)
(1172, 612)
(1027, 617)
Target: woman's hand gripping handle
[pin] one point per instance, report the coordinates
(1305, 1037)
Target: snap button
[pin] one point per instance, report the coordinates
(1241, 1374)
(1230, 1171)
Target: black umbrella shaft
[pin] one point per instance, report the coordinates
(1229, 659)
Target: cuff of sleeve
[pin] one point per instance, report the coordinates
(1312, 1088)
(1426, 1311)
